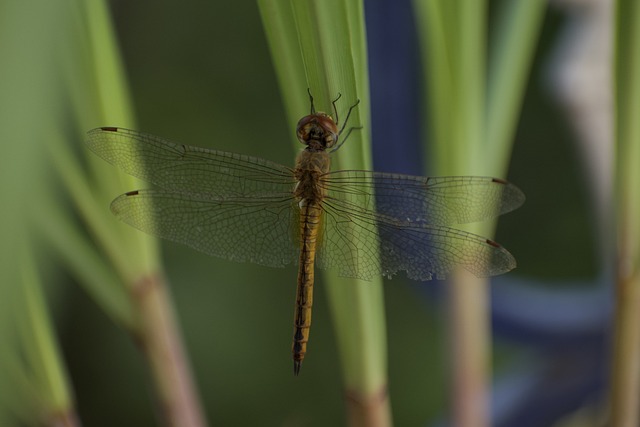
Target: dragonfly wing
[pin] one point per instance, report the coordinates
(354, 236)
(425, 200)
(186, 168)
(433, 252)
(260, 230)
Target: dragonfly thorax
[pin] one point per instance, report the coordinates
(310, 167)
(317, 131)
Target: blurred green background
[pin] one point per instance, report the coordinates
(200, 74)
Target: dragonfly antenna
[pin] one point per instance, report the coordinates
(313, 108)
(346, 120)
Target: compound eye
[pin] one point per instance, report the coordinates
(317, 129)
(304, 128)
(330, 139)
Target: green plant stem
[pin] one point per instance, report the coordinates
(472, 125)
(148, 314)
(34, 385)
(161, 344)
(63, 419)
(625, 387)
(513, 45)
(625, 384)
(470, 338)
(46, 360)
(40, 363)
(328, 56)
(454, 43)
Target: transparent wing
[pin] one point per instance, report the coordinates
(353, 235)
(406, 223)
(242, 208)
(425, 200)
(179, 167)
(260, 230)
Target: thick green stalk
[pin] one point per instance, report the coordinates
(136, 297)
(625, 387)
(473, 123)
(512, 48)
(33, 385)
(332, 47)
(157, 329)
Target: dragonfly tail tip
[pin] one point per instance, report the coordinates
(296, 367)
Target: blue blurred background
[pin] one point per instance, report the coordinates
(200, 73)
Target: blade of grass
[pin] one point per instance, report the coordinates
(625, 387)
(158, 335)
(436, 53)
(472, 129)
(144, 307)
(104, 228)
(111, 97)
(456, 90)
(33, 386)
(45, 360)
(40, 390)
(282, 36)
(512, 47)
(331, 43)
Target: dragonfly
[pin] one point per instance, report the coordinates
(360, 223)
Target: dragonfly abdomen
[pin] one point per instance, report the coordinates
(310, 215)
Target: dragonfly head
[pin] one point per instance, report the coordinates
(317, 131)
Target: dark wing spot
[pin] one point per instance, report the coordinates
(494, 244)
